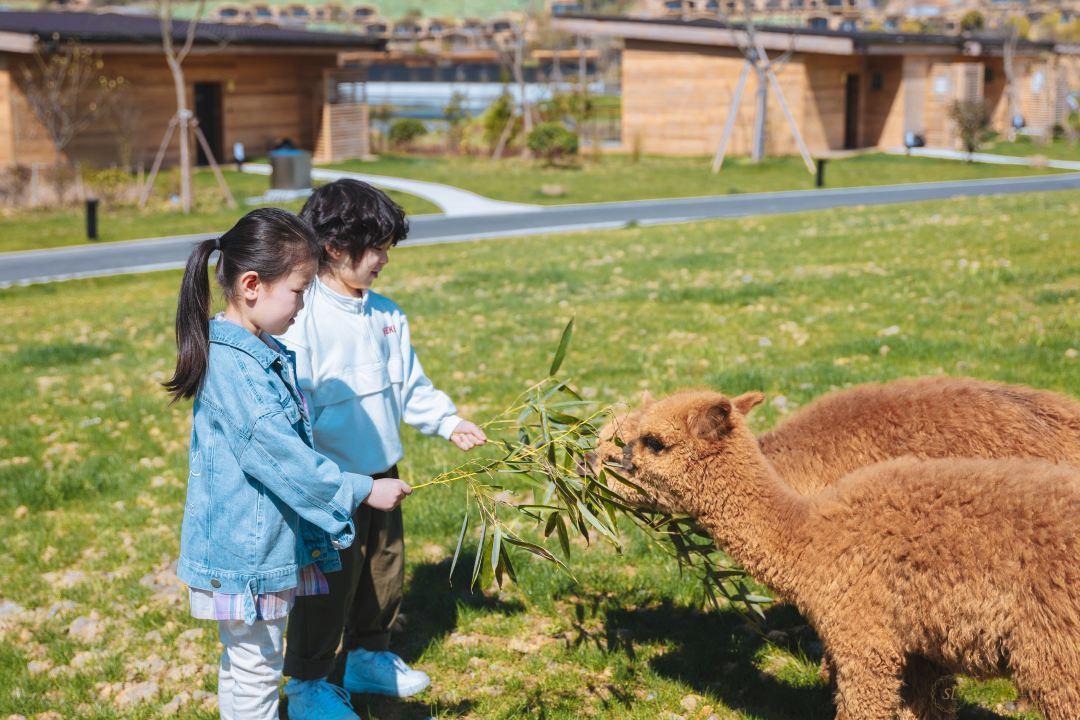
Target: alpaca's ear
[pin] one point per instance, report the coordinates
(712, 422)
(646, 399)
(747, 402)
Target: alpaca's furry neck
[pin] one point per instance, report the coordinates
(755, 517)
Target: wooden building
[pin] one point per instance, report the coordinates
(256, 85)
(846, 90)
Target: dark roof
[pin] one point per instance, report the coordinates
(861, 38)
(117, 28)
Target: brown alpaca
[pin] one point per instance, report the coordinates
(948, 566)
(933, 417)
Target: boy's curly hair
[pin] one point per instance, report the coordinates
(353, 216)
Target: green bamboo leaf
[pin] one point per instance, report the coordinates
(564, 343)
(535, 550)
(509, 565)
(487, 570)
(460, 540)
(595, 522)
(496, 548)
(550, 526)
(479, 551)
(564, 537)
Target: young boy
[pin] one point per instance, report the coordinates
(356, 365)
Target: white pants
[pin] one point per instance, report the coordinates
(249, 676)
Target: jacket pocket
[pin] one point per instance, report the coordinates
(350, 382)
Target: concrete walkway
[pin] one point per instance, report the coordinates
(451, 200)
(989, 158)
(36, 266)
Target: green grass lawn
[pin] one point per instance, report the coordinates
(620, 177)
(1026, 146)
(30, 230)
(93, 459)
(612, 177)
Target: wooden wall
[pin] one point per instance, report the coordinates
(7, 139)
(883, 108)
(676, 100)
(264, 98)
(824, 98)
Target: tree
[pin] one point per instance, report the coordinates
(764, 67)
(972, 21)
(500, 123)
(175, 60)
(972, 118)
(184, 118)
(67, 88)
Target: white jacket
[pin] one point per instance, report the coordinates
(360, 375)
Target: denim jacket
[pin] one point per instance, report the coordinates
(261, 502)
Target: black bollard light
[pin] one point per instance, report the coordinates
(91, 218)
(819, 181)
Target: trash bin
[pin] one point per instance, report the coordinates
(290, 169)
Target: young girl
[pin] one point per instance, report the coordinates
(265, 514)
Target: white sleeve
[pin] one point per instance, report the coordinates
(426, 408)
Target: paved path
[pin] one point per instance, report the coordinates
(988, 158)
(158, 254)
(451, 200)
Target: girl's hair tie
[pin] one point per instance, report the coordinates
(217, 244)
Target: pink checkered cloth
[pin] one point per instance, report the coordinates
(210, 605)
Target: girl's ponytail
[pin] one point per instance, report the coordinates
(193, 324)
(267, 241)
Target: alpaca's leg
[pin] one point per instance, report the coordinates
(867, 686)
(928, 693)
(1056, 697)
(1047, 672)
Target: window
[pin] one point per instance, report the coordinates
(819, 23)
(877, 81)
(988, 76)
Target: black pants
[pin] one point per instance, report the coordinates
(364, 599)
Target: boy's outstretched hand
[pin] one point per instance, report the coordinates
(467, 436)
(387, 493)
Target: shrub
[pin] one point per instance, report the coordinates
(972, 118)
(113, 185)
(972, 21)
(403, 132)
(551, 141)
(1072, 124)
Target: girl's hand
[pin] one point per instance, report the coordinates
(387, 493)
(467, 436)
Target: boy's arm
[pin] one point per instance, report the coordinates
(425, 407)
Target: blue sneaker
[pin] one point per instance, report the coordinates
(382, 673)
(318, 700)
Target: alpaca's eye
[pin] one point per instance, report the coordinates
(652, 443)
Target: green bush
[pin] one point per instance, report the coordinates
(403, 132)
(552, 141)
(112, 185)
(1072, 124)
